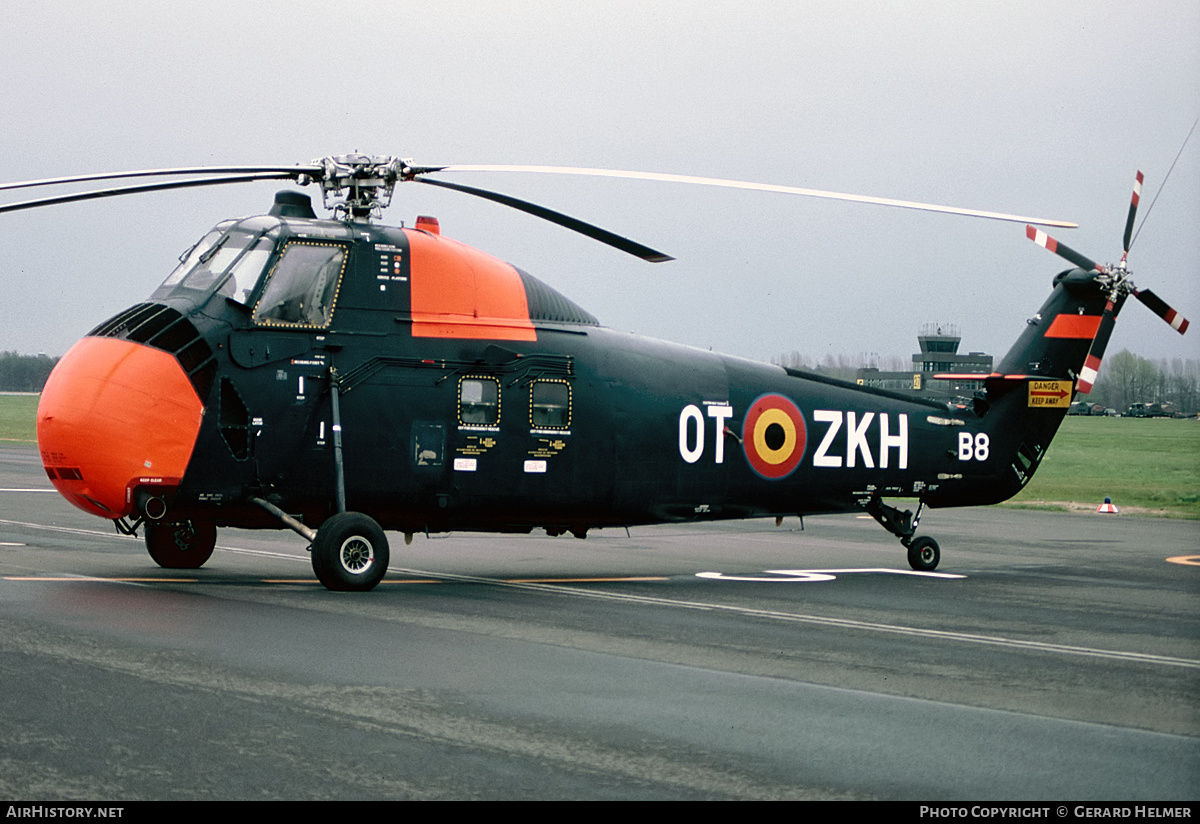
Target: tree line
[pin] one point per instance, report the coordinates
(1125, 378)
(24, 373)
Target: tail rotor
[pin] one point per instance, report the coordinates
(1116, 281)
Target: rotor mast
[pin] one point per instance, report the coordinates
(358, 186)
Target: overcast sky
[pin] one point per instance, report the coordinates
(1034, 107)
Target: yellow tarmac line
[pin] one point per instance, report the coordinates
(381, 583)
(584, 580)
(1186, 560)
(93, 579)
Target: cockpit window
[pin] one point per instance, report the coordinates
(243, 275)
(303, 285)
(191, 258)
(234, 261)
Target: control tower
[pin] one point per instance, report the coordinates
(939, 355)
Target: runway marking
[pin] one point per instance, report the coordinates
(775, 615)
(72, 579)
(69, 578)
(1186, 560)
(68, 529)
(607, 580)
(814, 575)
(114, 534)
(10, 543)
(381, 583)
(821, 620)
(27, 490)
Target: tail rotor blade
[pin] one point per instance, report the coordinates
(1133, 205)
(1159, 307)
(1091, 365)
(1061, 249)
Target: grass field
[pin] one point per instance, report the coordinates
(18, 415)
(1141, 463)
(1151, 463)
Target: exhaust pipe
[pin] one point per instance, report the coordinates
(153, 507)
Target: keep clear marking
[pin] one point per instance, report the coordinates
(808, 576)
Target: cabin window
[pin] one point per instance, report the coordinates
(550, 405)
(479, 401)
(428, 444)
(303, 286)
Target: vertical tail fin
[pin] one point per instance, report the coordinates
(1057, 355)
(1057, 340)
(1028, 396)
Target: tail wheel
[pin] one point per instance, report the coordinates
(350, 553)
(184, 545)
(924, 554)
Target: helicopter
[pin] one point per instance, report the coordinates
(339, 377)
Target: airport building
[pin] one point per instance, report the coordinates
(938, 356)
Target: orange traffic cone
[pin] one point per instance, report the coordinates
(1107, 506)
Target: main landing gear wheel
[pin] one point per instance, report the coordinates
(350, 553)
(924, 554)
(181, 545)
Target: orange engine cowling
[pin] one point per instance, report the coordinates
(114, 416)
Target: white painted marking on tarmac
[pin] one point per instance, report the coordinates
(67, 529)
(102, 534)
(821, 620)
(818, 620)
(28, 490)
(773, 576)
(806, 576)
(10, 543)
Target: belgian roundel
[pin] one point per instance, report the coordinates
(774, 437)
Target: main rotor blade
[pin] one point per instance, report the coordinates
(148, 187)
(1061, 249)
(292, 171)
(1133, 205)
(594, 232)
(1159, 307)
(762, 187)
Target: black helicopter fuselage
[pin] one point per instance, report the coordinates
(339, 378)
(322, 366)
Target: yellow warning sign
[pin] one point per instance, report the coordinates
(1050, 394)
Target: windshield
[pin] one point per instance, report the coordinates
(232, 261)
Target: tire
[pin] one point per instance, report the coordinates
(350, 553)
(181, 545)
(924, 554)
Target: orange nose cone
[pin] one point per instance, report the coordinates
(115, 414)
